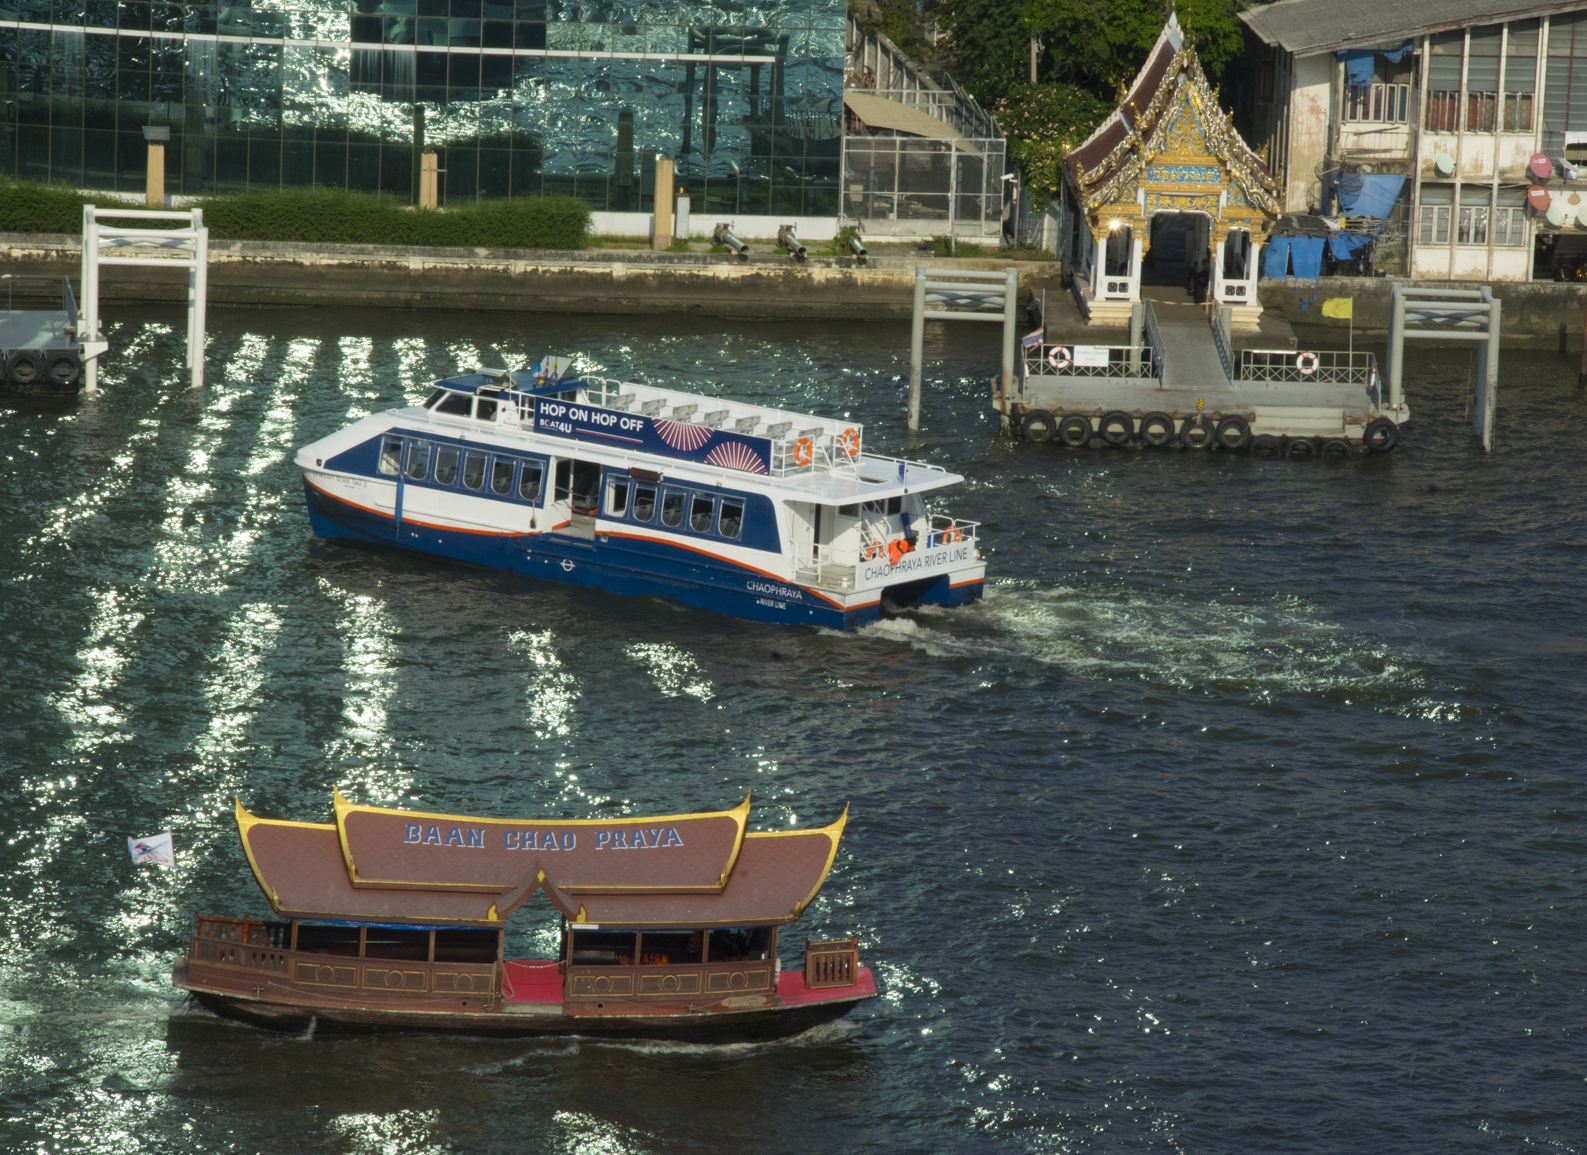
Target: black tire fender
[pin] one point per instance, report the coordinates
(1336, 447)
(62, 366)
(1197, 432)
(24, 367)
(1074, 430)
(1265, 445)
(1037, 425)
(1380, 435)
(1116, 428)
(1234, 432)
(1157, 429)
(1300, 449)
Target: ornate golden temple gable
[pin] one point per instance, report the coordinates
(1169, 147)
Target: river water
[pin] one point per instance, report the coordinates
(1244, 814)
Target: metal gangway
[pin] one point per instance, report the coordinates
(163, 248)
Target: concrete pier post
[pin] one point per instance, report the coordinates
(1490, 376)
(1396, 349)
(1010, 303)
(917, 347)
(200, 290)
(88, 291)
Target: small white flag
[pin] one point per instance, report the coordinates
(155, 848)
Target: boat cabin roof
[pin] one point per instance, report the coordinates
(817, 459)
(374, 865)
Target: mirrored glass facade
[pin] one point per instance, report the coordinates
(517, 98)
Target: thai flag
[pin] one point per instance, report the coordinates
(155, 848)
(1034, 337)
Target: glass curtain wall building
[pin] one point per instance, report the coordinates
(518, 98)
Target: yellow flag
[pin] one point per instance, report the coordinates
(1338, 307)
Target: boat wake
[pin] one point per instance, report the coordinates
(1282, 645)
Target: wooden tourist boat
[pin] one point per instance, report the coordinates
(397, 919)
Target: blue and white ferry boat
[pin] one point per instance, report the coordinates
(725, 506)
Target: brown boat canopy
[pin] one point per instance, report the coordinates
(394, 866)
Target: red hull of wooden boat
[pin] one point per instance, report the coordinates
(272, 1001)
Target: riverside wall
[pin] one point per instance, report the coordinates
(1533, 311)
(258, 273)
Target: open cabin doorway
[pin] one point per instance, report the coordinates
(1179, 243)
(575, 497)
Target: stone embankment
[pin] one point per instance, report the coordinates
(1533, 310)
(259, 273)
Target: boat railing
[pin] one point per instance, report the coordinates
(832, 963)
(944, 530)
(248, 931)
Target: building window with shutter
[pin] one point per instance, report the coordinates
(1434, 225)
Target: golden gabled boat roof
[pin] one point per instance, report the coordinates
(306, 869)
(417, 850)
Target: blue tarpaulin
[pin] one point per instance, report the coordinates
(1373, 196)
(1306, 254)
(1345, 246)
(1275, 258)
(1360, 62)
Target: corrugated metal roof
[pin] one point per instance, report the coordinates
(1306, 27)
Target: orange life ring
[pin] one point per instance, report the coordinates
(875, 551)
(951, 535)
(804, 452)
(849, 442)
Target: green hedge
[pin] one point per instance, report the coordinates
(331, 216)
(26, 207)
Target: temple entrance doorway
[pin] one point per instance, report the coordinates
(1179, 243)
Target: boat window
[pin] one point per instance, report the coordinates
(671, 948)
(564, 479)
(644, 502)
(529, 479)
(418, 460)
(342, 940)
(446, 466)
(466, 946)
(603, 948)
(435, 395)
(700, 510)
(380, 942)
(895, 504)
(731, 520)
(486, 410)
(617, 496)
(671, 508)
(473, 470)
(391, 455)
(456, 403)
(739, 943)
(501, 475)
(848, 511)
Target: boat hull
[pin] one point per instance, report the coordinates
(627, 566)
(275, 1006)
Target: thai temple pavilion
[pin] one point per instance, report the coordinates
(1168, 149)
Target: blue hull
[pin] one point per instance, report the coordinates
(621, 565)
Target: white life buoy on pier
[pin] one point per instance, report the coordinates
(1306, 363)
(1060, 357)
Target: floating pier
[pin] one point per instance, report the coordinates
(1182, 383)
(40, 351)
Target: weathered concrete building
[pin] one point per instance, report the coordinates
(1449, 130)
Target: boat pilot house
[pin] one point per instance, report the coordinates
(1168, 151)
(394, 919)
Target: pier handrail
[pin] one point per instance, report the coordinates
(1285, 367)
(1219, 339)
(1123, 361)
(1154, 341)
